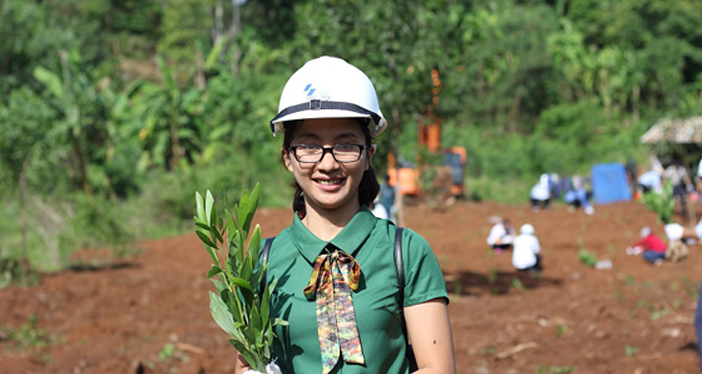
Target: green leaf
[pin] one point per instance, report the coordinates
(214, 270)
(231, 303)
(265, 305)
(280, 322)
(220, 313)
(51, 80)
(205, 239)
(256, 319)
(209, 205)
(239, 282)
(253, 359)
(214, 53)
(202, 225)
(210, 229)
(251, 206)
(254, 245)
(219, 285)
(200, 208)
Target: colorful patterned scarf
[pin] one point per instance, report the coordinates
(333, 275)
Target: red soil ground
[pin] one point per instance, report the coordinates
(633, 318)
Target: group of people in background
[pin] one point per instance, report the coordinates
(551, 186)
(526, 249)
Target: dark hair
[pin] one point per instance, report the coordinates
(368, 188)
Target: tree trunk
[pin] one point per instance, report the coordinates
(175, 144)
(234, 32)
(219, 23)
(23, 218)
(82, 164)
(200, 75)
(399, 201)
(635, 97)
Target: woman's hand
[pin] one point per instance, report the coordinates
(241, 364)
(429, 330)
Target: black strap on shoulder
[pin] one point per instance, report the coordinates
(263, 258)
(399, 267)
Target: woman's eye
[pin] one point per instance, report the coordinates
(345, 147)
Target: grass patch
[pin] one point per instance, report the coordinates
(29, 338)
(555, 369)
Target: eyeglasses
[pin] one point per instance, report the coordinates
(342, 153)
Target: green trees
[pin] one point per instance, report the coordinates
(179, 92)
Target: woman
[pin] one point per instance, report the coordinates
(337, 281)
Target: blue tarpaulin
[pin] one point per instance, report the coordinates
(609, 184)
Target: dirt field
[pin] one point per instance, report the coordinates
(149, 313)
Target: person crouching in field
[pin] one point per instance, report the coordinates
(540, 194)
(651, 247)
(526, 255)
(501, 235)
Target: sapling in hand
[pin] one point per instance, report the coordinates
(241, 305)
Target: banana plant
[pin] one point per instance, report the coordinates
(65, 91)
(240, 306)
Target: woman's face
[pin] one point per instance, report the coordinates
(329, 185)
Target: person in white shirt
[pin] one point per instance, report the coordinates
(677, 175)
(378, 209)
(526, 255)
(501, 236)
(540, 194)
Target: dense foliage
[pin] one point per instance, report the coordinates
(113, 112)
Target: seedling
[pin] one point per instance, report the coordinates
(631, 350)
(658, 314)
(492, 275)
(457, 287)
(518, 284)
(561, 330)
(241, 305)
(169, 352)
(586, 257)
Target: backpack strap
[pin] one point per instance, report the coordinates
(399, 267)
(263, 258)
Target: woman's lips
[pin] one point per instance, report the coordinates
(330, 185)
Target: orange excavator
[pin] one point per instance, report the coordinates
(430, 138)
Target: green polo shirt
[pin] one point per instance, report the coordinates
(370, 241)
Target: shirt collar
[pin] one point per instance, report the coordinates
(348, 240)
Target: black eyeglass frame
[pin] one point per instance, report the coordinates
(326, 150)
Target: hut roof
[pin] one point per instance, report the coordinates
(678, 131)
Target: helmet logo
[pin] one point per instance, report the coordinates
(314, 93)
(309, 90)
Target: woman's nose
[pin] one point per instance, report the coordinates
(327, 162)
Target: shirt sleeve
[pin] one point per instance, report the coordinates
(424, 280)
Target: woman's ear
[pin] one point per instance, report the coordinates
(371, 153)
(286, 159)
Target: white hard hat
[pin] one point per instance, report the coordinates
(674, 231)
(527, 229)
(329, 87)
(645, 231)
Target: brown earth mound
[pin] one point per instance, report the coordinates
(149, 313)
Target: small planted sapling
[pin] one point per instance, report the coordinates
(242, 301)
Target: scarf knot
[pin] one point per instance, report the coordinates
(334, 275)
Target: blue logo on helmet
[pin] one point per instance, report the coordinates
(309, 90)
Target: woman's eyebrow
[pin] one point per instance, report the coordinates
(309, 135)
(348, 135)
